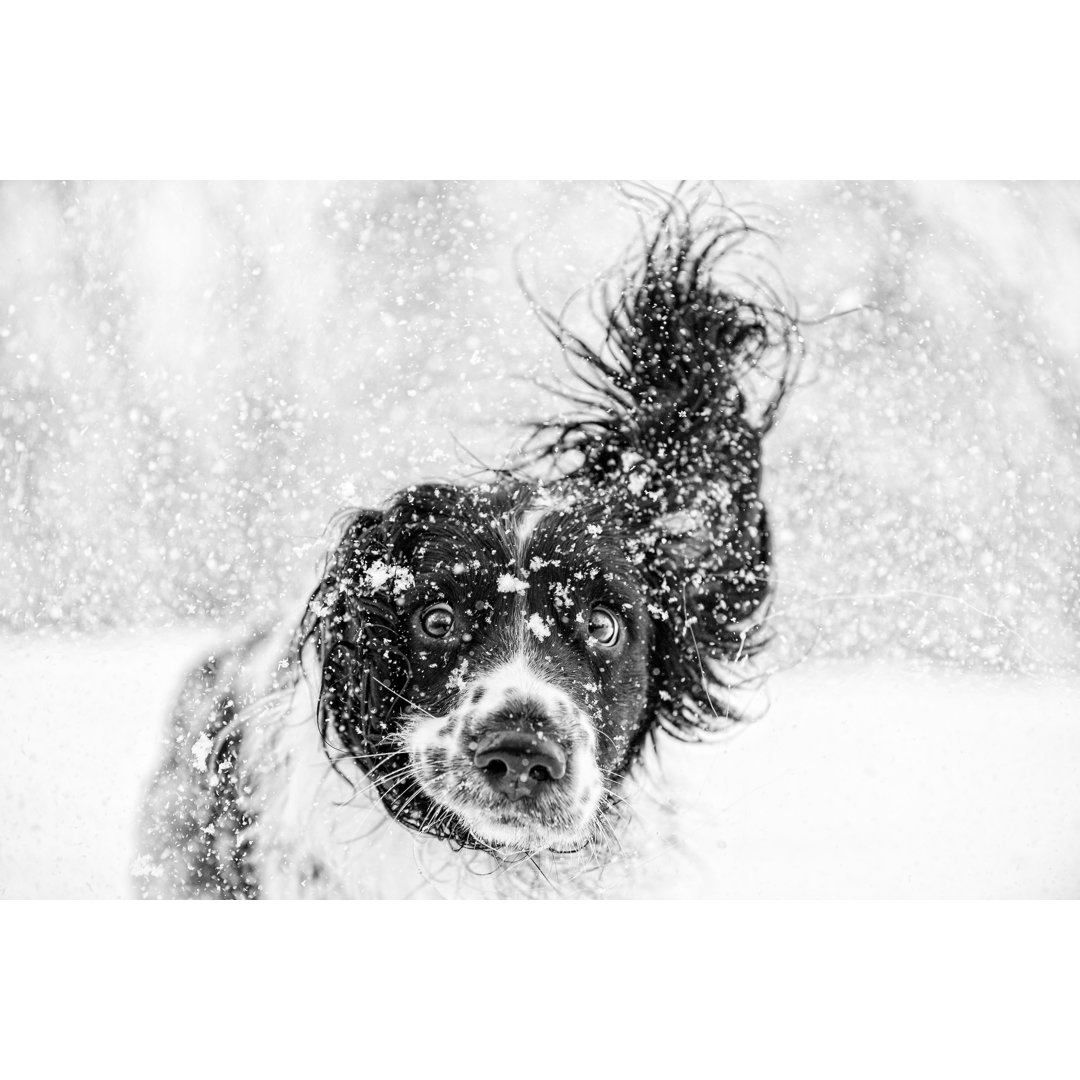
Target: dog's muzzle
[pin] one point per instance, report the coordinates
(515, 760)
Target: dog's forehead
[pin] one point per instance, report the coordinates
(556, 533)
(513, 529)
(572, 562)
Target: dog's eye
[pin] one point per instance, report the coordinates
(603, 627)
(438, 620)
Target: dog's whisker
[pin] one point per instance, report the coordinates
(410, 703)
(375, 783)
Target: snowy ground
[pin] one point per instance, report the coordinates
(861, 781)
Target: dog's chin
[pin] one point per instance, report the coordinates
(515, 831)
(548, 822)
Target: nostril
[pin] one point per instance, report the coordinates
(515, 763)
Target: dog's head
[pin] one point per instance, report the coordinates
(494, 647)
(493, 657)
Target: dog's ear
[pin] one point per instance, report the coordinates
(352, 622)
(674, 405)
(709, 593)
(714, 574)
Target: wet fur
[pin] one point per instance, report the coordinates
(323, 758)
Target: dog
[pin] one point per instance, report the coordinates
(482, 667)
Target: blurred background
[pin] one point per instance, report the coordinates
(194, 377)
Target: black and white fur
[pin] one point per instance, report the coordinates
(466, 694)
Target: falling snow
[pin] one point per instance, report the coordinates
(196, 379)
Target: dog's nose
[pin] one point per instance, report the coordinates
(516, 763)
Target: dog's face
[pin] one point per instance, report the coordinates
(513, 639)
(529, 640)
(493, 657)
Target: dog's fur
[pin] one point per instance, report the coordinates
(468, 689)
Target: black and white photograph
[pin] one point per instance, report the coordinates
(531, 540)
(397, 509)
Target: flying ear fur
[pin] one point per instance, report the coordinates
(671, 412)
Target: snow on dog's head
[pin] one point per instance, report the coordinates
(501, 717)
(494, 657)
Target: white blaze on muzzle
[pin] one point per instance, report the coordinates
(515, 709)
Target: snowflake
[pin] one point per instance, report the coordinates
(200, 751)
(143, 867)
(562, 594)
(379, 573)
(456, 679)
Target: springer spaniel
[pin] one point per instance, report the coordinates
(481, 668)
